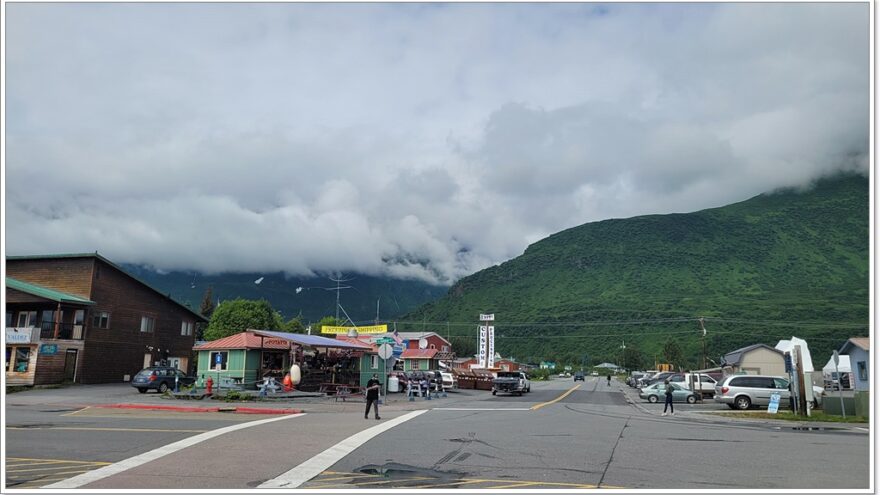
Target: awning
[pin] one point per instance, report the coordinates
(313, 340)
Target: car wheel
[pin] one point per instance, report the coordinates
(652, 399)
(142, 390)
(691, 399)
(163, 387)
(742, 402)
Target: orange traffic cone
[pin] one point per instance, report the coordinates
(288, 383)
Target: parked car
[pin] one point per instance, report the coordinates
(702, 382)
(160, 378)
(595, 373)
(659, 377)
(656, 392)
(579, 375)
(449, 380)
(745, 391)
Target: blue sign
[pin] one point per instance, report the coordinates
(397, 351)
(49, 349)
(774, 404)
(219, 358)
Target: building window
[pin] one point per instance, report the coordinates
(186, 328)
(101, 319)
(374, 362)
(147, 324)
(22, 359)
(9, 358)
(423, 364)
(433, 346)
(224, 356)
(8, 319)
(863, 370)
(445, 348)
(27, 319)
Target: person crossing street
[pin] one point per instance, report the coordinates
(373, 387)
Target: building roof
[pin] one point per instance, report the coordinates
(733, 358)
(372, 347)
(863, 343)
(607, 365)
(409, 335)
(314, 340)
(418, 353)
(243, 340)
(46, 293)
(114, 265)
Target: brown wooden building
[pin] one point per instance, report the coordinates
(81, 318)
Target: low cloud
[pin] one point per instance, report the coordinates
(413, 141)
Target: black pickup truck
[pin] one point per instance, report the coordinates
(514, 382)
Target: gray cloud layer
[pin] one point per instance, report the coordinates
(416, 141)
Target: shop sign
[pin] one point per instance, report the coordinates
(49, 349)
(371, 329)
(19, 335)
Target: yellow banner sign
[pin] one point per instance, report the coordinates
(360, 330)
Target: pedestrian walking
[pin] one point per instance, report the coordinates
(373, 387)
(668, 403)
(609, 379)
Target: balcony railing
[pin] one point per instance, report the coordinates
(66, 331)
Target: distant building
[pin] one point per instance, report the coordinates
(859, 351)
(548, 365)
(756, 359)
(610, 366)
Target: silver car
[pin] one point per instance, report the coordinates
(745, 391)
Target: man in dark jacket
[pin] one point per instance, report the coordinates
(373, 387)
(668, 403)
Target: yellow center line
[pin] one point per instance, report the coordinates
(554, 401)
(442, 485)
(522, 484)
(322, 480)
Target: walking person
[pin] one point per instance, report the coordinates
(609, 379)
(373, 387)
(668, 403)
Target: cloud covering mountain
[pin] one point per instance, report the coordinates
(407, 140)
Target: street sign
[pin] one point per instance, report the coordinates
(385, 351)
(385, 340)
(774, 404)
(397, 351)
(836, 358)
(490, 317)
(218, 358)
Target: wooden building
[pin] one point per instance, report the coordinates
(82, 318)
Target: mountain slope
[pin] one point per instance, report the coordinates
(395, 297)
(777, 258)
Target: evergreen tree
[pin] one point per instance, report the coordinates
(241, 314)
(207, 306)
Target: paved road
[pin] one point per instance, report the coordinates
(561, 435)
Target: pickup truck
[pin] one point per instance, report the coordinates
(514, 382)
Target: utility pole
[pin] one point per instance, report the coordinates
(802, 392)
(703, 327)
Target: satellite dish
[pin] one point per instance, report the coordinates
(423, 343)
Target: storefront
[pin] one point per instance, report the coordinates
(22, 346)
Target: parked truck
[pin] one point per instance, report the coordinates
(513, 382)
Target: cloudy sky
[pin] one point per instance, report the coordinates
(415, 141)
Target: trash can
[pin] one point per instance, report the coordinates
(393, 384)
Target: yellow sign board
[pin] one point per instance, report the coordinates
(360, 330)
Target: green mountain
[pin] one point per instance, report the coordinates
(780, 264)
(314, 301)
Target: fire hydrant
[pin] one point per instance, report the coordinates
(209, 384)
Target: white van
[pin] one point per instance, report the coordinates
(703, 383)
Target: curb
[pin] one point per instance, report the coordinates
(238, 410)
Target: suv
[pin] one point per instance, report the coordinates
(160, 378)
(745, 391)
(579, 375)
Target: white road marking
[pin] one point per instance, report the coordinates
(125, 465)
(860, 428)
(481, 409)
(321, 462)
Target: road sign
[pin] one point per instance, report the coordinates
(385, 351)
(385, 340)
(218, 358)
(490, 317)
(397, 351)
(774, 404)
(836, 356)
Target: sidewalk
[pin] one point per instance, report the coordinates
(708, 413)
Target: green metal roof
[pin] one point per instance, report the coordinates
(51, 294)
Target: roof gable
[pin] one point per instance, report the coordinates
(735, 357)
(863, 343)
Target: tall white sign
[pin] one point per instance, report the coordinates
(490, 362)
(483, 335)
(490, 317)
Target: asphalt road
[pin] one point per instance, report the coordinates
(563, 434)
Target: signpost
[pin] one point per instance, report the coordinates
(839, 382)
(385, 352)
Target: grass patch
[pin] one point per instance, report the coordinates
(817, 416)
